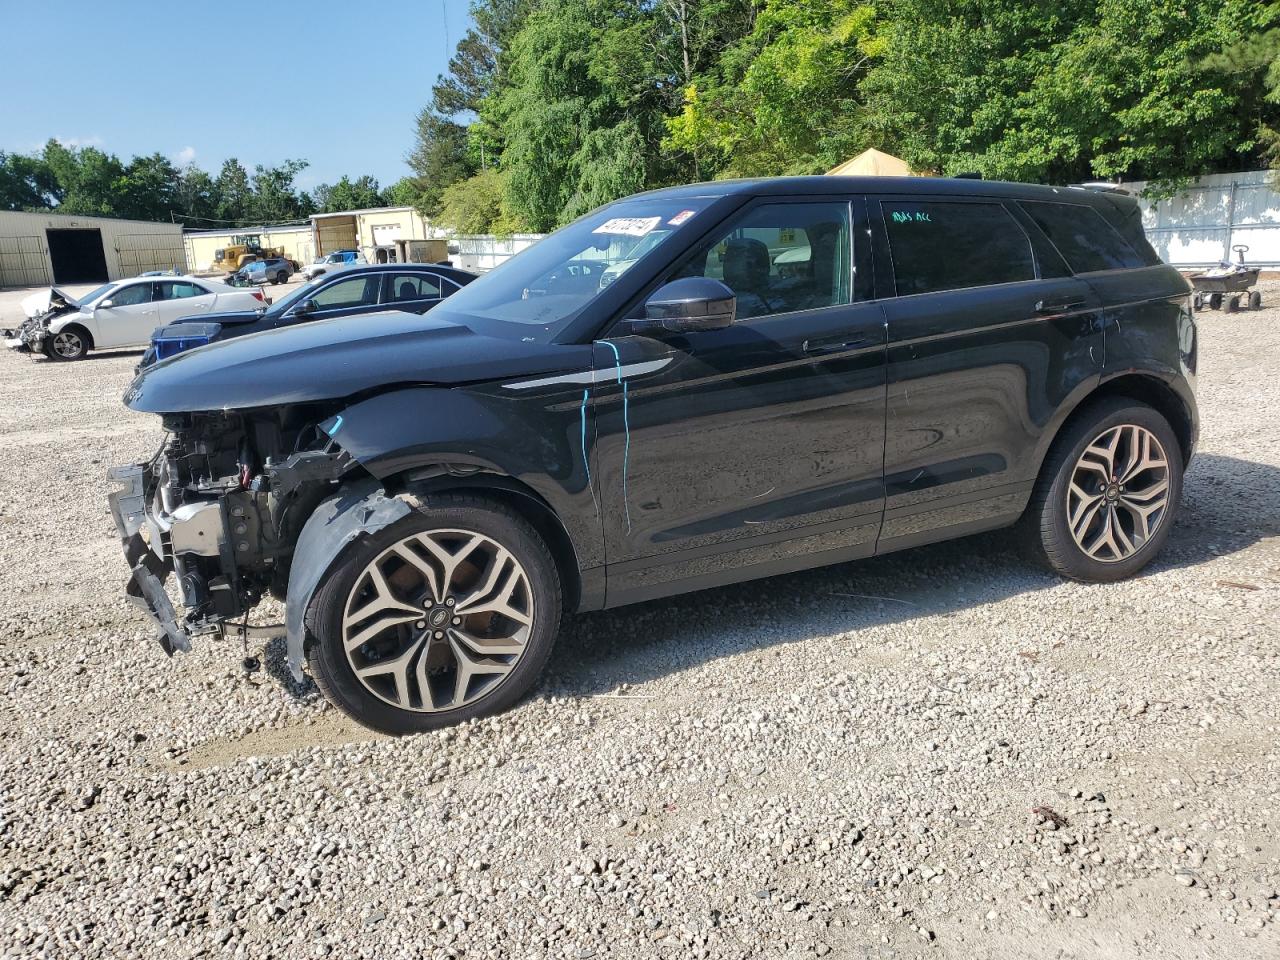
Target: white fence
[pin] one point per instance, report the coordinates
(1200, 226)
(484, 252)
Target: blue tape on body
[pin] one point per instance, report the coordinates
(626, 432)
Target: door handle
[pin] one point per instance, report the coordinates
(818, 347)
(1045, 306)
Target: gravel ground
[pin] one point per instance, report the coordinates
(840, 763)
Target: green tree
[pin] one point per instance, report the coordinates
(1062, 90)
(275, 198)
(148, 189)
(1254, 55)
(88, 179)
(26, 183)
(439, 158)
(233, 192)
(786, 97)
(581, 115)
(475, 205)
(403, 193)
(348, 194)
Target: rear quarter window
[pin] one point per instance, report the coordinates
(951, 245)
(1082, 235)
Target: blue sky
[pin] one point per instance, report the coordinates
(340, 82)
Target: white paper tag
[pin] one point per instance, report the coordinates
(628, 226)
(680, 218)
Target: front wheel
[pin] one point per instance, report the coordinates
(1107, 494)
(281, 277)
(446, 615)
(66, 345)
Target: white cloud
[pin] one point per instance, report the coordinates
(185, 155)
(72, 143)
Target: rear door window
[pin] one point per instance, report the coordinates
(1082, 236)
(412, 286)
(180, 290)
(946, 245)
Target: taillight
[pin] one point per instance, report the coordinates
(257, 295)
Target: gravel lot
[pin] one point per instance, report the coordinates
(840, 763)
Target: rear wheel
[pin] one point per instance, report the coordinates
(1255, 300)
(281, 277)
(1108, 493)
(446, 615)
(1197, 301)
(1215, 301)
(67, 344)
(1232, 305)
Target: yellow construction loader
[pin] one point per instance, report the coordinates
(244, 248)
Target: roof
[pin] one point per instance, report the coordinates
(243, 231)
(872, 163)
(911, 186)
(352, 213)
(57, 214)
(440, 268)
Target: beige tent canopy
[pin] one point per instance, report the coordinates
(871, 163)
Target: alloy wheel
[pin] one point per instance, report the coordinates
(1119, 493)
(437, 620)
(67, 345)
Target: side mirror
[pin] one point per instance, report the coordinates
(106, 304)
(306, 306)
(691, 304)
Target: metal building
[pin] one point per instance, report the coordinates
(40, 249)
(382, 234)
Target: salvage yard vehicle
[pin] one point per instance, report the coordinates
(429, 495)
(330, 262)
(411, 287)
(275, 270)
(122, 313)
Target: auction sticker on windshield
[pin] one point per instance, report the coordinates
(680, 218)
(628, 226)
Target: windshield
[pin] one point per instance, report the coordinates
(94, 295)
(535, 294)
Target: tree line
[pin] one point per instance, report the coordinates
(90, 181)
(551, 107)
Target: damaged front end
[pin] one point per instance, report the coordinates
(220, 507)
(41, 309)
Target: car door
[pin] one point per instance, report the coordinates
(130, 318)
(417, 292)
(344, 296)
(758, 448)
(989, 334)
(176, 299)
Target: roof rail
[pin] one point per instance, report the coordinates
(1101, 186)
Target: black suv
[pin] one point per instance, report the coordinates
(414, 287)
(686, 388)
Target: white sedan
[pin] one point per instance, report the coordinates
(120, 314)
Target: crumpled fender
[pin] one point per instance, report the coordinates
(358, 510)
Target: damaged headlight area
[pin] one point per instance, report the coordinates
(219, 507)
(41, 309)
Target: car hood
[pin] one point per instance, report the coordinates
(335, 359)
(41, 302)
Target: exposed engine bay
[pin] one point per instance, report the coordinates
(220, 506)
(41, 309)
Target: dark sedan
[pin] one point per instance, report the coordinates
(411, 287)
